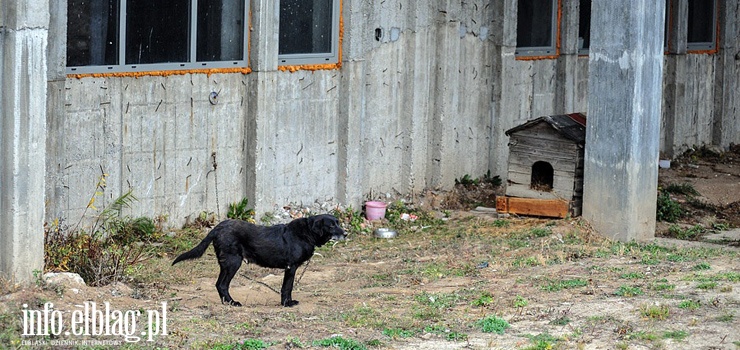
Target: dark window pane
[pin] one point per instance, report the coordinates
(92, 32)
(534, 23)
(584, 24)
(157, 31)
(305, 26)
(701, 21)
(220, 30)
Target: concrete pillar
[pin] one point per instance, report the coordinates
(623, 133)
(24, 27)
(263, 91)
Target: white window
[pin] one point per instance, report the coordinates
(309, 32)
(142, 35)
(537, 26)
(702, 25)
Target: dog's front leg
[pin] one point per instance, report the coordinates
(286, 293)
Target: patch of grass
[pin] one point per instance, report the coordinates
(655, 312)
(675, 335)
(659, 286)
(525, 261)
(726, 317)
(520, 302)
(632, 276)
(493, 324)
(10, 330)
(689, 305)
(706, 285)
(484, 299)
(627, 291)
(253, 344)
(692, 233)
(701, 267)
(501, 223)
(556, 286)
(397, 333)
(363, 316)
(445, 332)
(543, 341)
(340, 343)
(438, 300)
(540, 232)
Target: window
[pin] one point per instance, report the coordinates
(702, 25)
(309, 32)
(536, 33)
(584, 26)
(139, 35)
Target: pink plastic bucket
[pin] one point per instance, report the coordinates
(374, 210)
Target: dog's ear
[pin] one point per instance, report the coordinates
(316, 223)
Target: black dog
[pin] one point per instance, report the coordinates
(280, 246)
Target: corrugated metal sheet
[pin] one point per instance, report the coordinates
(572, 126)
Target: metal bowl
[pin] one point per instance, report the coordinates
(385, 233)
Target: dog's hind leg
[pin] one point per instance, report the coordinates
(286, 292)
(229, 266)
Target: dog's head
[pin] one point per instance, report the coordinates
(327, 228)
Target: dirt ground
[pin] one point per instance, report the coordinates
(555, 283)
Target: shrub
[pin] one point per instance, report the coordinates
(668, 209)
(239, 211)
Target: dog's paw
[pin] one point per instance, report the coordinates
(290, 303)
(235, 303)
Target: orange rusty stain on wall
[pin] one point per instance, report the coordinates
(324, 66)
(162, 73)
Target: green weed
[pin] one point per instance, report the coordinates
(693, 233)
(668, 210)
(655, 312)
(341, 343)
(675, 335)
(520, 302)
(689, 304)
(396, 333)
(240, 211)
(483, 300)
(493, 324)
(627, 291)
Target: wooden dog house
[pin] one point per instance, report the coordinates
(545, 176)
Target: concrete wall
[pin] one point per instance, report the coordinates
(24, 29)
(405, 112)
(426, 103)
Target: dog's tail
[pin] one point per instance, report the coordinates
(198, 251)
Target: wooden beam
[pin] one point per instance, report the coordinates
(556, 208)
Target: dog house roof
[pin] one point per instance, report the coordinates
(572, 126)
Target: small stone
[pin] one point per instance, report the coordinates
(63, 278)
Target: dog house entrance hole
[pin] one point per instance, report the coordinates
(542, 175)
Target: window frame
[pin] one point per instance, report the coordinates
(543, 52)
(307, 59)
(583, 51)
(705, 46)
(191, 64)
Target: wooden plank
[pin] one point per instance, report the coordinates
(533, 207)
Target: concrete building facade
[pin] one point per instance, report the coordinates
(421, 93)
